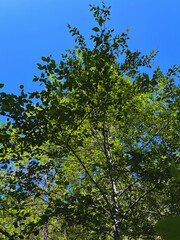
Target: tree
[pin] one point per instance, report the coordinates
(88, 156)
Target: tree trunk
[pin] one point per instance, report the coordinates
(45, 232)
(45, 236)
(117, 231)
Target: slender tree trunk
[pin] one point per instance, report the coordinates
(46, 228)
(117, 230)
(46, 232)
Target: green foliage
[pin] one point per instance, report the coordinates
(169, 227)
(88, 156)
(174, 170)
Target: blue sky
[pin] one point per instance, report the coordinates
(30, 29)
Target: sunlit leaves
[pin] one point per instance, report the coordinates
(89, 154)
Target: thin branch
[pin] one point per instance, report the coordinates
(152, 212)
(92, 180)
(98, 141)
(142, 196)
(110, 235)
(36, 204)
(77, 126)
(123, 191)
(159, 130)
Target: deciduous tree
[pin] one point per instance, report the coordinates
(88, 156)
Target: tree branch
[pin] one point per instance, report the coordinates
(142, 196)
(78, 125)
(92, 180)
(159, 130)
(152, 212)
(123, 191)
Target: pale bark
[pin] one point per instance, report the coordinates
(117, 230)
(45, 236)
(46, 227)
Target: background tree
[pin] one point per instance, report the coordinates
(88, 156)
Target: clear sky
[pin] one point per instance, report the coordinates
(30, 29)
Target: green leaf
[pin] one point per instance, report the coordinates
(174, 171)
(96, 29)
(169, 227)
(21, 86)
(1, 85)
(44, 59)
(40, 67)
(128, 29)
(35, 79)
(178, 154)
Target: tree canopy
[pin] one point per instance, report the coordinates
(89, 156)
